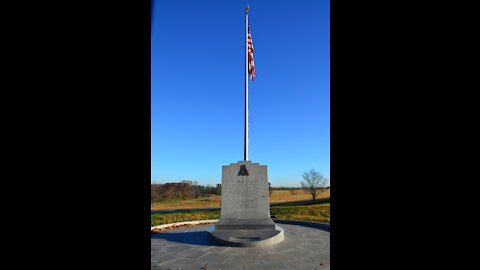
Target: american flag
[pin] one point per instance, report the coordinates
(251, 65)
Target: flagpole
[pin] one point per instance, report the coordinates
(246, 85)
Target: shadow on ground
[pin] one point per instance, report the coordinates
(192, 238)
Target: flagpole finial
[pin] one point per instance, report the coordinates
(246, 10)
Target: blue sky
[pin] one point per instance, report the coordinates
(198, 64)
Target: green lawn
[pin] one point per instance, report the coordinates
(312, 211)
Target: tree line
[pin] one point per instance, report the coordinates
(184, 190)
(314, 183)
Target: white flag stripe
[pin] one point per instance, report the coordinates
(251, 65)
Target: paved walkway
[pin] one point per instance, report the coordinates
(304, 248)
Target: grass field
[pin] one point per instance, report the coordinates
(298, 195)
(318, 210)
(313, 211)
(214, 200)
(205, 202)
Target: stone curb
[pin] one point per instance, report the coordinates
(313, 224)
(194, 222)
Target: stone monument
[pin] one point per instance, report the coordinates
(245, 211)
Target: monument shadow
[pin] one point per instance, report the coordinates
(192, 238)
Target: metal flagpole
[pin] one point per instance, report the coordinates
(246, 84)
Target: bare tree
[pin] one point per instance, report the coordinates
(315, 183)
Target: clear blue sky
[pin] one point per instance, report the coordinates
(198, 64)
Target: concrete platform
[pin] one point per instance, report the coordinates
(246, 238)
(189, 248)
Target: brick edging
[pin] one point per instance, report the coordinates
(313, 224)
(193, 222)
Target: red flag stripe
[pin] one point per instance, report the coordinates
(251, 65)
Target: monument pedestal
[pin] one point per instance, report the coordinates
(245, 213)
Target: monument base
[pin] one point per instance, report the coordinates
(245, 213)
(246, 238)
(245, 224)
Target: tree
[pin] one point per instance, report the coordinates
(218, 189)
(155, 193)
(315, 183)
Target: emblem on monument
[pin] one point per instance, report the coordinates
(243, 170)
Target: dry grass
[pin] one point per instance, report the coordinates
(296, 195)
(206, 202)
(214, 200)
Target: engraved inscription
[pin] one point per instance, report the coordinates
(246, 204)
(242, 184)
(245, 191)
